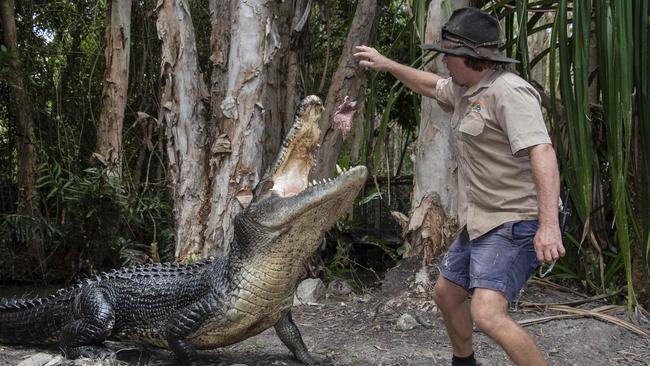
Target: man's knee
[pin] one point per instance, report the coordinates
(447, 294)
(483, 317)
(488, 312)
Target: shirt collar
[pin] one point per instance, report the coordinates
(483, 83)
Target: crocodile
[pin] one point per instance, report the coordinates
(218, 302)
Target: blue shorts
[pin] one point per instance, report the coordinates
(502, 259)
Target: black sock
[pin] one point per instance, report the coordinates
(463, 361)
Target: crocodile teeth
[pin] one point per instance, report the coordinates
(338, 169)
(314, 182)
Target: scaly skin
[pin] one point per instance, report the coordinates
(215, 303)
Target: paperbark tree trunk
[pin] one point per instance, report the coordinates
(250, 89)
(28, 199)
(348, 80)
(433, 214)
(255, 52)
(108, 149)
(185, 117)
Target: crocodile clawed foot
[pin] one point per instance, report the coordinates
(91, 352)
(315, 359)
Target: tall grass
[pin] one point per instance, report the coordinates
(522, 38)
(573, 54)
(615, 73)
(622, 47)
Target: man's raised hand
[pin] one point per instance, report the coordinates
(371, 58)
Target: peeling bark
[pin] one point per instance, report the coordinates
(348, 80)
(184, 115)
(433, 207)
(28, 198)
(239, 110)
(108, 149)
(220, 16)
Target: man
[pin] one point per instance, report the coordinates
(508, 183)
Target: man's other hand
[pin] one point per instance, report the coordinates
(548, 243)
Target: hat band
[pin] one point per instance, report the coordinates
(460, 42)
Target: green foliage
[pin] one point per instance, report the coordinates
(574, 61)
(6, 56)
(595, 134)
(88, 214)
(89, 221)
(615, 73)
(328, 25)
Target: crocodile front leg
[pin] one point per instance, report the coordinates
(184, 323)
(289, 334)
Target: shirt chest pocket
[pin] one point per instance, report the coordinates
(472, 124)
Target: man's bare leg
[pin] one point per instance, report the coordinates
(452, 301)
(489, 310)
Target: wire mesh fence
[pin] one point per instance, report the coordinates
(379, 198)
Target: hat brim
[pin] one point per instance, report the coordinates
(488, 54)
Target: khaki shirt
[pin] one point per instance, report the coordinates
(493, 123)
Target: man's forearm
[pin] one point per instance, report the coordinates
(421, 82)
(547, 180)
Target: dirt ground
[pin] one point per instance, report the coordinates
(364, 330)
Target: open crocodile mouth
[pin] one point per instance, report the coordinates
(285, 196)
(298, 153)
(289, 174)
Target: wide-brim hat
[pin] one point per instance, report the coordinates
(471, 33)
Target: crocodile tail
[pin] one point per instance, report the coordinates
(34, 321)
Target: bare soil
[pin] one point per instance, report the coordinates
(364, 331)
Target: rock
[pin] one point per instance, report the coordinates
(423, 284)
(55, 361)
(309, 291)
(41, 359)
(406, 322)
(434, 310)
(339, 287)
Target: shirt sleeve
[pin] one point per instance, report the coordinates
(519, 114)
(445, 94)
